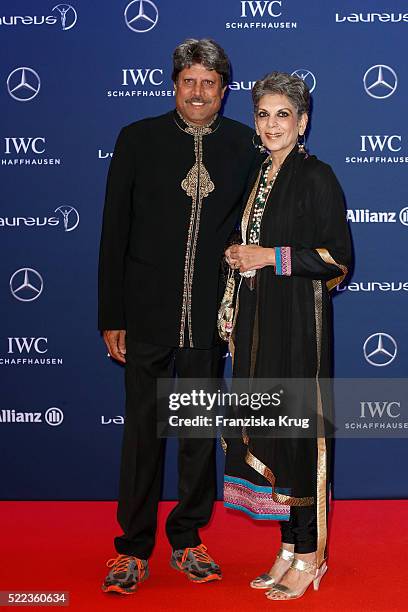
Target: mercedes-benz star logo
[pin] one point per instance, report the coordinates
(70, 216)
(146, 17)
(380, 81)
(380, 349)
(26, 284)
(68, 15)
(23, 84)
(306, 76)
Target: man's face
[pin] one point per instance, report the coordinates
(199, 93)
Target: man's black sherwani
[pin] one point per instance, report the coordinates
(161, 247)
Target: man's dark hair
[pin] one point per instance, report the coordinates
(206, 52)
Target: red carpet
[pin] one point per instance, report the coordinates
(64, 545)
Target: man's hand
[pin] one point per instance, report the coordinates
(249, 257)
(115, 341)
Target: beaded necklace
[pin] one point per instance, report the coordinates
(254, 230)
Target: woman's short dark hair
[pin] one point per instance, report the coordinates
(206, 52)
(291, 86)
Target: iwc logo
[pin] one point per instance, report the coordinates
(29, 351)
(260, 15)
(140, 82)
(379, 149)
(27, 151)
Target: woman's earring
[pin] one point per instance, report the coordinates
(301, 143)
(257, 142)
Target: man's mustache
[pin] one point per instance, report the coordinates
(199, 100)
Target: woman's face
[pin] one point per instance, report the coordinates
(277, 123)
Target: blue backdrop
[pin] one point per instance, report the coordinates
(71, 77)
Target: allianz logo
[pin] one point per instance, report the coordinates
(53, 417)
(372, 17)
(364, 215)
(115, 420)
(370, 286)
(11, 416)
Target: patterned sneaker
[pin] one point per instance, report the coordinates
(126, 573)
(196, 563)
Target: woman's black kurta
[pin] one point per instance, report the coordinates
(283, 330)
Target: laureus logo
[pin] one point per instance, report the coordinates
(307, 76)
(63, 14)
(70, 217)
(67, 15)
(68, 220)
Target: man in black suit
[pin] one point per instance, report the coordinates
(173, 196)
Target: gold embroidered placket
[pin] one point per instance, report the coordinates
(321, 442)
(197, 185)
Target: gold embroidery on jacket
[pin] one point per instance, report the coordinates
(197, 185)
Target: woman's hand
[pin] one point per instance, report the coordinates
(249, 257)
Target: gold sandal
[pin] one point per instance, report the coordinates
(282, 592)
(265, 581)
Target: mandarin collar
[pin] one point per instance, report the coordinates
(190, 128)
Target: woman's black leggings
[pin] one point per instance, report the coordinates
(301, 529)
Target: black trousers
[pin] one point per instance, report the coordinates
(143, 453)
(301, 529)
